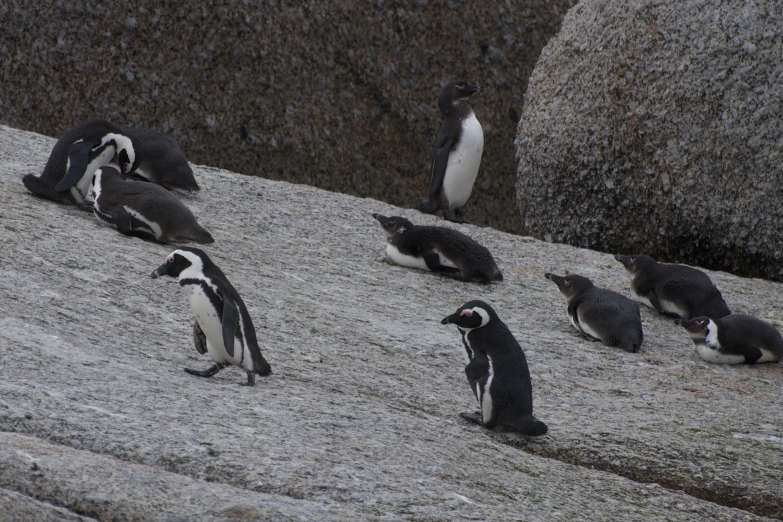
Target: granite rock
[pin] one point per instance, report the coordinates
(655, 127)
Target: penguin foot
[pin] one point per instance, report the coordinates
(86, 206)
(205, 373)
(251, 380)
(473, 417)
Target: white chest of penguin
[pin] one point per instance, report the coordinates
(464, 161)
(210, 324)
(414, 262)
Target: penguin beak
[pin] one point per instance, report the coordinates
(449, 319)
(160, 271)
(691, 326)
(554, 278)
(382, 219)
(474, 88)
(621, 258)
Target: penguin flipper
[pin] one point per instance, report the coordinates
(79, 156)
(230, 322)
(199, 339)
(440, 160)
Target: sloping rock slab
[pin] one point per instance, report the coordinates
(361, 414)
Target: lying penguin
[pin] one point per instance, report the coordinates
(144, 210)
(734, 339)
(162, 161)
(675, 290)
(501, 378)
(601, 314)
(223, 327)
(438, 249)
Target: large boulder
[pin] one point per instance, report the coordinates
(655, 127)
(340, 95)
(360, 419)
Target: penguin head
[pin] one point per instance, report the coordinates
(459, 90)
(570, 285)
(471, 315)
(103, 173)
(127, 158)
(394, 225)
(698, 327)
(181, 262)
(636, 263)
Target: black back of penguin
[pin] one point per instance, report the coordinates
(148, 203)
(734, 339)
(163, 162)
(473, 261)
(673, 289)
(601, 313)
(508, 381)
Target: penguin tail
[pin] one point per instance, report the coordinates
(498, 276)
(202, 236)
(529, 425)
(39, 188)
(263, 368)
(427, 206)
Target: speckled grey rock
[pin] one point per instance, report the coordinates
(341, 95)
(655, 127)
(361, 417)
(15, 507)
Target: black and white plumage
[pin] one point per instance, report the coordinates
(601, 314)
(457, 154)
(438, 249)
(734, 339)
(144, 209)
(497, 370)
(675, 290)
(76, 156)
(223, 327)
(162, 160)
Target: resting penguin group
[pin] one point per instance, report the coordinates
(130, 171)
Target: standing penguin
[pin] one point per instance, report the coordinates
(601, 314)
(438, 249)
(144, 210)
(223, 327)
(505, 393)
(457, 154)
(676, 290)
(734, 339)
(162, 161)
(77, 155)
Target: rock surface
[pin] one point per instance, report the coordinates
(340, 95)
(360, 420)
(655, 127)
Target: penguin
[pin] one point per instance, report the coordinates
(734, 339)
(223, 328)
(675, 290)
(88, 146)
(143, 209)
(457, 153)
(601, 314)
(162, 161)
(438, 249)
(504, 390)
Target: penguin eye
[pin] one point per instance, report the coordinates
(466, 313)
(169, 260)
(567, 283)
